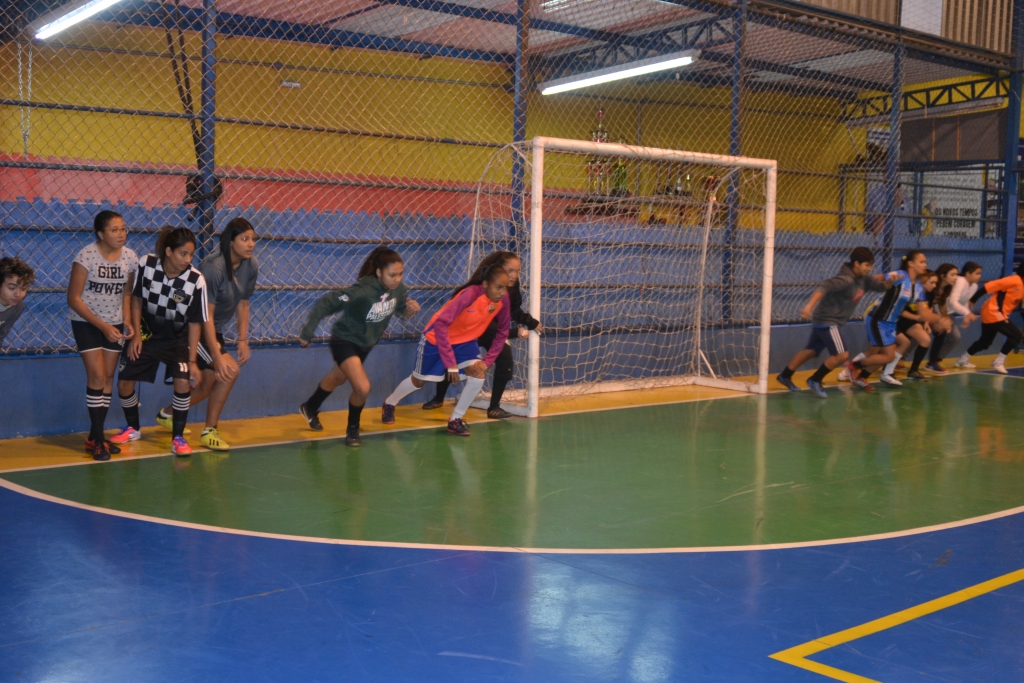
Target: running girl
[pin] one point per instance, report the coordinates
(169, 312)
(828, 309)
(523, 324)
(99, 299)
(367, 308)
(960, 301)
(449, 344)
(915, 326)
(995, 318)
(881, 321)
(941, 300)
(230, 275)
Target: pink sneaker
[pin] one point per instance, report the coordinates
(180, 447)
(125, 435)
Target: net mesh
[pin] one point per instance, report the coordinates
(652, 270)
(337, 126)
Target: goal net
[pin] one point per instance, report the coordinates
(646, 267)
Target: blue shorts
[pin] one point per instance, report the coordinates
(880, 332)
(826, 337)
(430, 367)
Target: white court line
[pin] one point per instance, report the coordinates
(511, 549)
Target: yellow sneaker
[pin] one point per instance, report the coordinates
(167, 421)
(211, 439)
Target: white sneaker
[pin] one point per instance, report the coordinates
(844, 375)
(1000, 368)
(889, 379)
(964, 364)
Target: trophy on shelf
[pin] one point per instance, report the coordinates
(607, 180)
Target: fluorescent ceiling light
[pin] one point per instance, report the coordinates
(617, 73)
(73, 17)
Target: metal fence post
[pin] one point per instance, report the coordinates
(208, 111)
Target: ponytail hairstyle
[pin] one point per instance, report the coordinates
(488, 270)
(380, 258)
(908, 257)
(101, 221)
(943, 290)
(861, 255)
(171, 238)
(235, 227)
(970, 267)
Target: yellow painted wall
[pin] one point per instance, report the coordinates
(807, 136)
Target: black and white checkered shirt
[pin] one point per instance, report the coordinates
(169, 304)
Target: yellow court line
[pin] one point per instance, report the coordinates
(797, 656)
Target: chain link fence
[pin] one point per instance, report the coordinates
(335, 127)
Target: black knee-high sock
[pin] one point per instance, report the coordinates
(442, 390)
(919, 356)
(130, 406)
(314, 402)
(353, 415)
(97, 413)
(179, 406)
(497, 390)
(820, 373)
(786, 373)
(935, 350)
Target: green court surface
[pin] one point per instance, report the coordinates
(734, 471)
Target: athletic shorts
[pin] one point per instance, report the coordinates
(203, 358)
(904, 324)
(880, 333)
(144, 368)
(342, 350)
(825, 338)
(430, 367)
(89, 338)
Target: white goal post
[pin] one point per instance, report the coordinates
(532, 195)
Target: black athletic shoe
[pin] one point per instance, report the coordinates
(787, 382)
(100, 452)
(498, 414)
(458, 427)
(111, 448)
(915, 374)
(312, 419)
(352, 437)
(387, 414)
(433, 404)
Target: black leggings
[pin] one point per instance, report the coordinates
(988, 335)
(503, 368)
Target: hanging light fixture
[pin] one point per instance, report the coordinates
(619, 72)
(75, 16)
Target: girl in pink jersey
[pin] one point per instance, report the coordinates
(448, 347)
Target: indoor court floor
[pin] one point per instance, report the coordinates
(703, 536)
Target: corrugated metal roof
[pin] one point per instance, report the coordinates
(820, 56)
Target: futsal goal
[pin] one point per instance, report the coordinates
(646, 267)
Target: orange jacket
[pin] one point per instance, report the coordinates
(1009, 293)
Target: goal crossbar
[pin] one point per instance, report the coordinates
(770, 168)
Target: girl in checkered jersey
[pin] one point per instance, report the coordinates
(99, 296)
(170, 310)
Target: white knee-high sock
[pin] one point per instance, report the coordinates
(468, 395)
(859, 356)
(401, 391)
(891, 367)
(1000, 359)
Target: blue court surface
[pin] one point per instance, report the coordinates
(90, 595)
